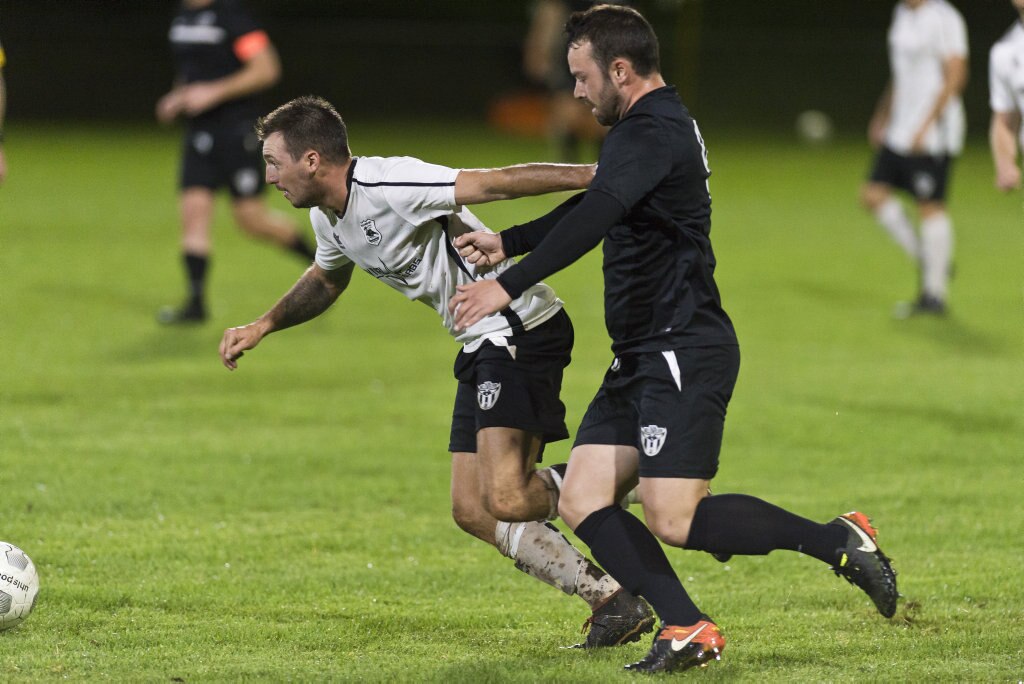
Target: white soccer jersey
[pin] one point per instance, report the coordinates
(920, 41)
(398, 226)
(1006, 74)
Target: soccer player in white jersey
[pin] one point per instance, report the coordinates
(395, 218)
(1006, 96)
(918, 127)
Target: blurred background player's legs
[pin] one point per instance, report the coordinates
(879, 200)
(936, 257)
(255, 218)
(196, 208)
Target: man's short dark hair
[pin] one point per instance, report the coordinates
(308, 123)
(614, 31)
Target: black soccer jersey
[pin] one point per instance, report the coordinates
(209, 43)
(660, 290)
(650, 202)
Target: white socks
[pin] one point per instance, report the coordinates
(936, 254)
(894, 219)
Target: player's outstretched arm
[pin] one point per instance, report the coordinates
(311, 295)
(476, 186)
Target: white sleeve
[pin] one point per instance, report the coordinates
(418, 191)
(328, 254)
(953, 40)
(1000, 93)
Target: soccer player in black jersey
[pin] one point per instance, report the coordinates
(223, 59)
(659, 414)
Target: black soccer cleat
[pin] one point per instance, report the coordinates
(621, 619)
(189, 313)
(863, 564)
(681, 648)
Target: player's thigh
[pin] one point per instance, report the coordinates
(669, 504)
(506, 456)
(681, 409)
(240, 167)
(598, 476)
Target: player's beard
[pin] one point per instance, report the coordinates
(607, 107)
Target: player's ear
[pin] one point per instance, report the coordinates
(311, 160)
(619, 70)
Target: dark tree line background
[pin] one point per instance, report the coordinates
(749, 63)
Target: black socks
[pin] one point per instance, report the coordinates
(745, 525)
(627, 550)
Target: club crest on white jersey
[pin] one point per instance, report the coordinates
(370, 231)
(652, 438)
(487, 394)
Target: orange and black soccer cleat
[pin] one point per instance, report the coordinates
(863, 564)
(681, 648)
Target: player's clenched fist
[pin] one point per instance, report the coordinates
(236, 341)
(480, 248)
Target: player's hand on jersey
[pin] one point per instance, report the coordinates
(237, 340)
(1008, 178)
(477, 300)
(480, 248)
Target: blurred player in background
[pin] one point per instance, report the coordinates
(1006, 96)
(394, 217)
(660, 411)
(570, 125)
(223, 59)
(3, 110)
(918, 128)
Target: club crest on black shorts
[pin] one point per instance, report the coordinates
(487, 394)
(653, 438)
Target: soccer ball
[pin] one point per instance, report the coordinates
(19, 585)
(814, 127)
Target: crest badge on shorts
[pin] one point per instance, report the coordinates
(370, 231)
(487, 394)
(652, 438)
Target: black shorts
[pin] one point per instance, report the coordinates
(223, 155)
(669, 405)
(924, 176)
(520, 389)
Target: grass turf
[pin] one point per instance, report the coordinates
(290, 521)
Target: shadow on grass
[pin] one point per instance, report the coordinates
(956, 335)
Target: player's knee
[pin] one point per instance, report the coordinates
(669, 531)
(572, 510)
(508, 504)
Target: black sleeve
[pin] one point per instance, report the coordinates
(579, 231)
(525, 237)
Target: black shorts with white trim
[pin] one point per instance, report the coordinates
(516, 385)
(669, 405)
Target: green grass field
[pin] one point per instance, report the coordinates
(290, 521)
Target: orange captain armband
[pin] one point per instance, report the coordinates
(249, 45)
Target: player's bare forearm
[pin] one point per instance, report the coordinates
(476, 186)
(311, 295)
